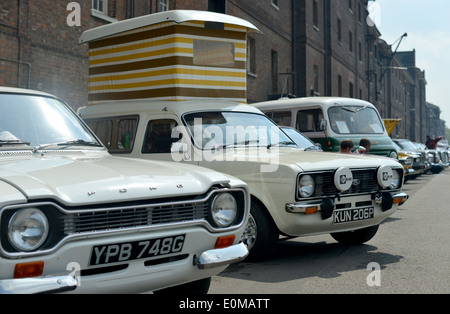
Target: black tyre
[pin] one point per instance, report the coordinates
(195, 287)
(357, 236)
(261, 234)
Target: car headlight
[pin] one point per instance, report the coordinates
(306, 186)
(396, 179)
(409, 161)
(394, 155)
(385, 176)
(28, 229)
(224, 209)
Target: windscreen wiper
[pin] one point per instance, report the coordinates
(80, 142)
(286, 143)
(12, 142)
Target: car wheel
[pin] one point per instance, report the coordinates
(195, 287)
(357, 236)
(260, 235)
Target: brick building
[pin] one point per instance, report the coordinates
(307, 48)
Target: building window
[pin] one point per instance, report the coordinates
(100, 9)
(359, 13)
(275, 3)
(339, 30)
(315, 14)
(339, 86)
(274, 72)
(360, 51)
(350, 90)
(101, 6)
(163, 5)
(251, 56)
(350, 5)
(350, 41)
(218, 6)
(315, 91)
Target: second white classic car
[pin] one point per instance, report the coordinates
(293, 192)
(73, 217)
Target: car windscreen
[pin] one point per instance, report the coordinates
(218, 129)
(37, 121)
(299, 139)
(406, 145)
(355, 120)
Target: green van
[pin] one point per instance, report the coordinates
(330, 120)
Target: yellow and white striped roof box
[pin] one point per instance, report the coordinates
(173, 55)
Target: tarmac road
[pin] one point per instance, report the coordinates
(410, 254)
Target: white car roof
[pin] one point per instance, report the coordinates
(177, 16)
(178, 107)
(15, 90)
(291, 103)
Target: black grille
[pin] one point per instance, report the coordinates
(135, 217)
(364, 181)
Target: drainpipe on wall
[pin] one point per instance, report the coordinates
(294, 81)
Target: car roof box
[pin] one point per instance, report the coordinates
(172, 55)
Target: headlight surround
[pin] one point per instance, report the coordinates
(224, 209)
(28, 229)
(306, 186)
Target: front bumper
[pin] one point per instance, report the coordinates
(58, 284)
(315, 217)
(326, 206)
(221, 257)
(38, 285)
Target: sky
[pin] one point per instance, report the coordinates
(428, 26)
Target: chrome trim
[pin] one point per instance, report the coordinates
(168, 226)
(403, 196)
(301, 208)
(221, 257)
(38, 285)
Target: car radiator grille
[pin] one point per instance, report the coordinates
(97, 221)
(364, 181)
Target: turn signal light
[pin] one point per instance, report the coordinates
(27, 270)
(311, 210)
(223, 242)
(398, 200)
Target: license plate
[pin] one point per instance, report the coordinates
(352, 215)
(127, 251)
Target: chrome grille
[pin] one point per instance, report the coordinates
(133, 217)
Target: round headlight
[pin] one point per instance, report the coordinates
(224, 209)
(306, 186)
(396, 180)
(385, 176)
(28, 229)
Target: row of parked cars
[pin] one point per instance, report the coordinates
(74, 217)
(139, 194)
(419, 159)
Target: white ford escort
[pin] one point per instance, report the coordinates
(72, 217)
(293, 192)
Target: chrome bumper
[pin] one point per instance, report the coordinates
(38, 285)
(221, 257)
(302, 207)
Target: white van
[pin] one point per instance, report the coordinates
(330, 120)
